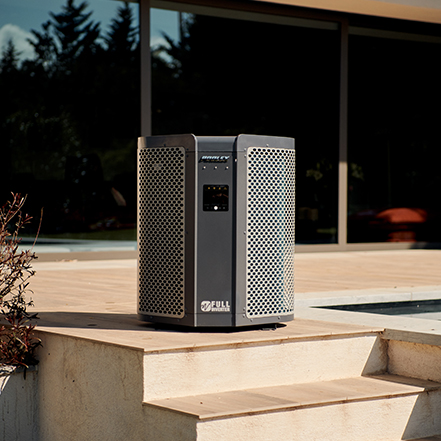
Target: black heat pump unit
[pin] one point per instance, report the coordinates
(216, 230)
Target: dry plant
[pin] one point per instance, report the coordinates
(17, 341)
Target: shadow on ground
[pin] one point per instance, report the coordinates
(130, 322)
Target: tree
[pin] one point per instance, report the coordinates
(121, 39)
(76, 36)
(119, 85)
(75, 104)
(45, 48)
(9, 60)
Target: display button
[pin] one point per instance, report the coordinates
(215, 197)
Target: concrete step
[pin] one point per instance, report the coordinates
(316, 352)
(413, 354)
(381, 407)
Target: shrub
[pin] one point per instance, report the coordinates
(17, 341)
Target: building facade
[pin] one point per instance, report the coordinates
(355, 83)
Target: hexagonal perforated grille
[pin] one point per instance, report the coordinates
(161, 231)
(270, 232)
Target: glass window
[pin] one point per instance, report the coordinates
(394, 141)
(239, 73)
(69, 116)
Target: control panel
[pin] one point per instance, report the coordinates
(215, 198)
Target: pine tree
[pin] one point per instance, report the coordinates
(61, 104)
(9, 60)
(44, 46)
(76, 35)
(121, 39)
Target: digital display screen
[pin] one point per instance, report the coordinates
(215, 198)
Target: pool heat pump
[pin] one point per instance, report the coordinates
(216, 230)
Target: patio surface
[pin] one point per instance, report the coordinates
(97, 299)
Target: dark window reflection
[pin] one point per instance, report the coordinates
(69, 121)
(394, 140)
(227, 77)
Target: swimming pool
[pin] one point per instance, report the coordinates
(423, 309)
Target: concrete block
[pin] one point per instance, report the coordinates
(209, 370)
(19, 412)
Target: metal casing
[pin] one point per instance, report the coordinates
(216, 230)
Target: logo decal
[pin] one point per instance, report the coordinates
(215, 158)
(215, 306)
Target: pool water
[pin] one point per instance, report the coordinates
(423, 309)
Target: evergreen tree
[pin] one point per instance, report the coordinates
(120, 84)
(9, 80)
(9, 60)
(76, 35)
(121, 39)
(45, 48)
(12, 88)
(74, 106)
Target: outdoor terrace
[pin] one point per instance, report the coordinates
(104, 374)
(87, 297)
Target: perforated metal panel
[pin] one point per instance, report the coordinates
(161, 231)
(270, 232)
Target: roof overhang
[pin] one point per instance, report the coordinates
(417, 10)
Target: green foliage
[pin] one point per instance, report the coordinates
(17, 341)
